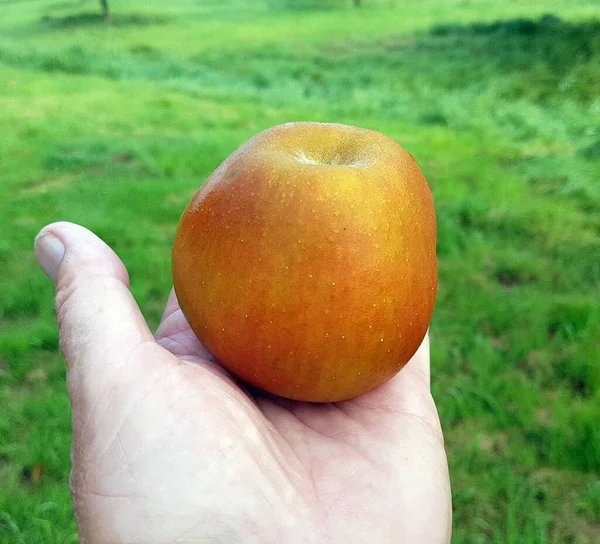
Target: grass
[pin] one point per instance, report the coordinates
(115, 126)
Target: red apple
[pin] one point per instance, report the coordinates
(306, 263)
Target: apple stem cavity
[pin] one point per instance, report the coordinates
(336, 160)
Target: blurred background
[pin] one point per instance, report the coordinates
(112, 116)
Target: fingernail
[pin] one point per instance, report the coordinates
(49, 252)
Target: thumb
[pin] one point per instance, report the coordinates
(98, 317)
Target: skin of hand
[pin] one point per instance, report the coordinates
(169, 447)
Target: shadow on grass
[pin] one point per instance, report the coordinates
(97, 19)
(550, 55)
(506, 27)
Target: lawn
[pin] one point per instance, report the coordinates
(116, 125)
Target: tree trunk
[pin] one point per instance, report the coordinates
(105, 10)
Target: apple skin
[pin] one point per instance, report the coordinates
(306, 263)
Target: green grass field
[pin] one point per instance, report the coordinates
(115, 126)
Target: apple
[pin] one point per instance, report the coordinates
(306, 262)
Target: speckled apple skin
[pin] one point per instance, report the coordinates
(306, 263)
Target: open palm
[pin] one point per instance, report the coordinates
(169, 447)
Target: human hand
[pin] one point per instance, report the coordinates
(169, 447)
